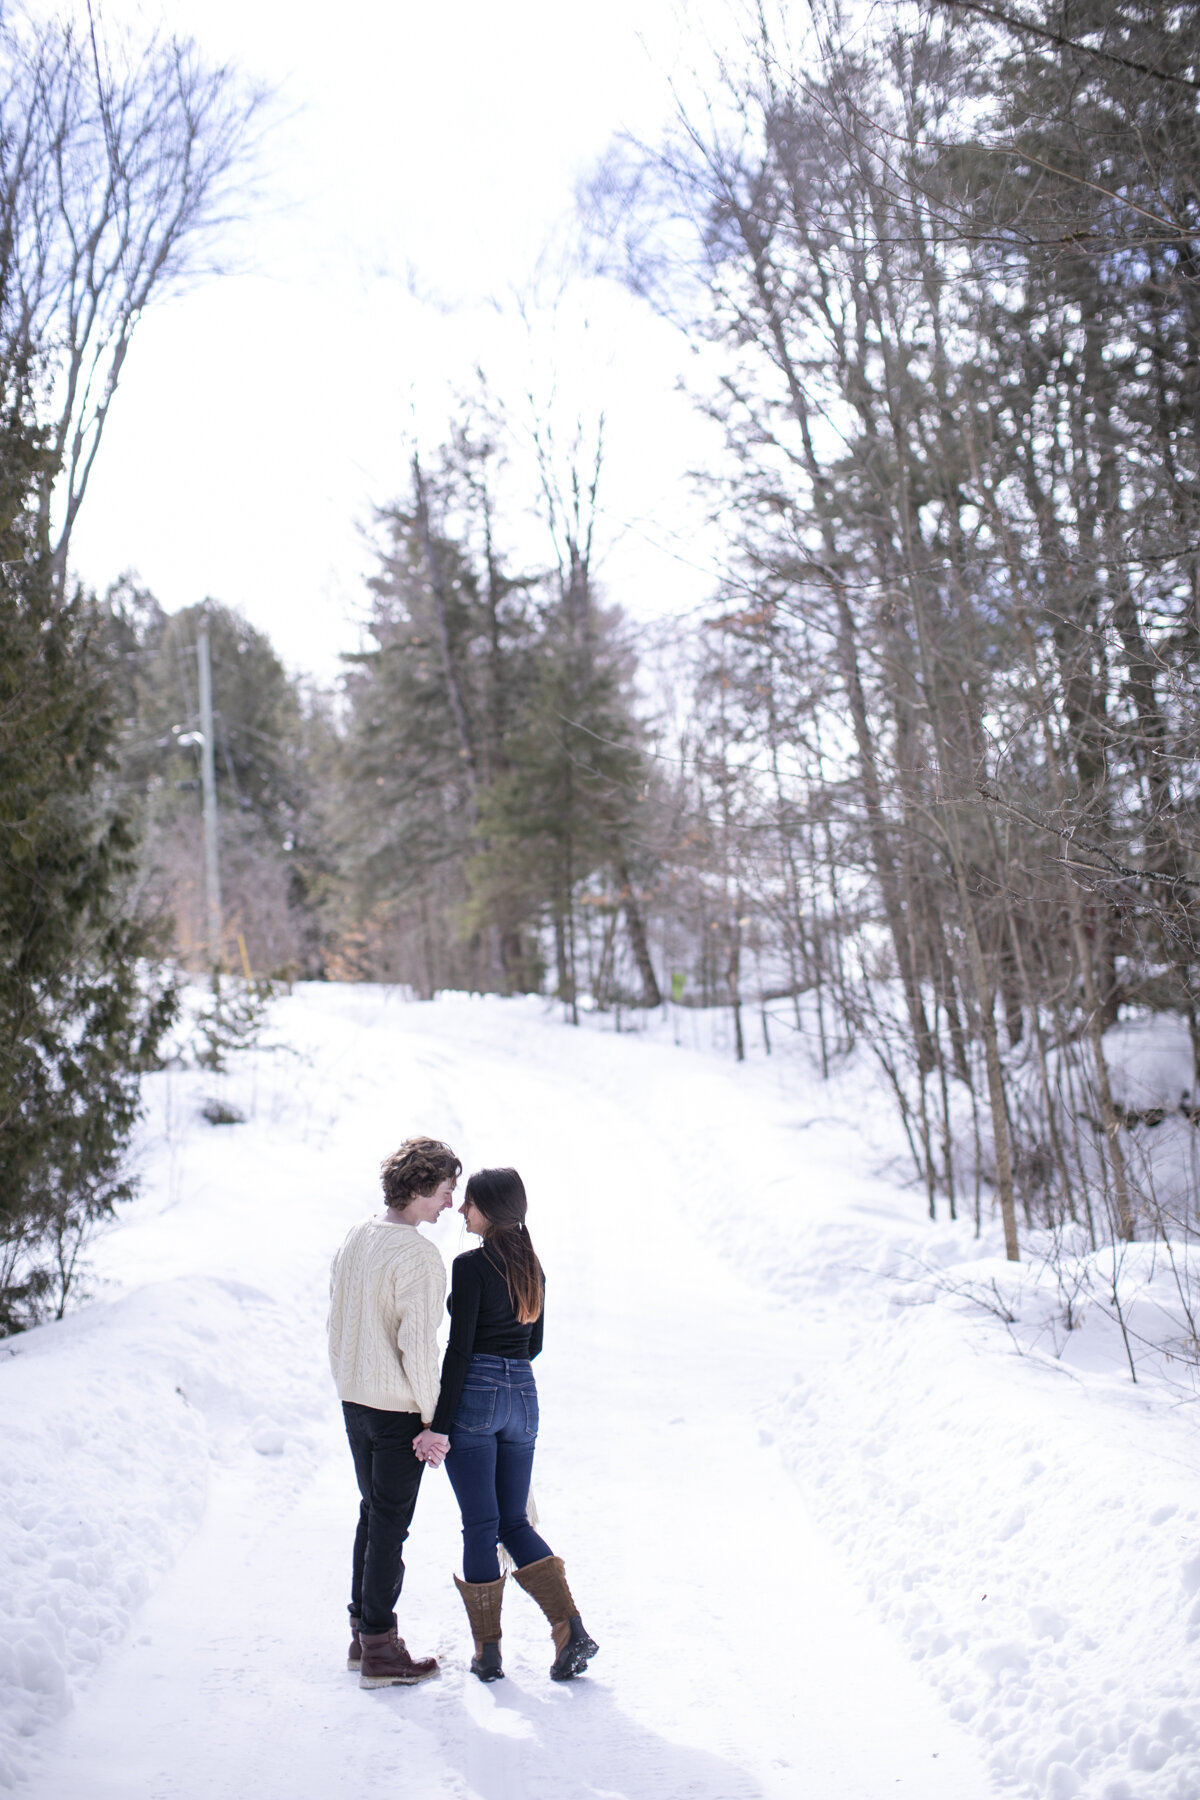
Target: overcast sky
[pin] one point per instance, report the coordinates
(425, 158)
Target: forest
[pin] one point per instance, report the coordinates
(919, 783)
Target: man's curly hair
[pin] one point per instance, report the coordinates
(419, 1166)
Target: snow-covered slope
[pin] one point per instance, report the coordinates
(761, 1438)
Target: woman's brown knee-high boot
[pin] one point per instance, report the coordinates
(546, 1582)
(482, 1601)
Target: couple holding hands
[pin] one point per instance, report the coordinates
(480, 1417)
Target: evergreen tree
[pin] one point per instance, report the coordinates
(80, 1012)
(430, 728)
(492, 772)
(564, 809)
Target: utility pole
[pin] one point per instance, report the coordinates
(208, 779)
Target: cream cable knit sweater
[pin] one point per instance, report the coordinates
(387, 1291)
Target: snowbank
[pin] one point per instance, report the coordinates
(110, 1421)
(1034, 1537)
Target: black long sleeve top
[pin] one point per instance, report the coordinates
(482, 1323)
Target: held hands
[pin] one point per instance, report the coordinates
(431, 1447)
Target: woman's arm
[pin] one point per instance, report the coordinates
(466, 1288)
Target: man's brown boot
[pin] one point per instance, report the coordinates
(482, 1601)
(354, 1653)
(546, 1582)
(386, 1662)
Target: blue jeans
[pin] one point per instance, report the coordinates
(492, 1442)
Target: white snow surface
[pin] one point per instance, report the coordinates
(840, 1530)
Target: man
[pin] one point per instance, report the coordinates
(386, 1294)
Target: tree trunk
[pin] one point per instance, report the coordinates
(636, 925)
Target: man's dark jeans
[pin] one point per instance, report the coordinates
(492, 1441)
(388, 1478)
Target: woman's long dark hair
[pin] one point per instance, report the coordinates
(499, 1194)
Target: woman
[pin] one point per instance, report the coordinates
(488, 1404)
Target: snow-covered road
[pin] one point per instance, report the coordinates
(739, 1660)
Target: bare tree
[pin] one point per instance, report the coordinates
(122, 164)
(948, 265)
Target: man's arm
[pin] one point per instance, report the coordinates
(332, 1324)
(419, 1306)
